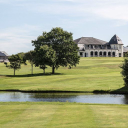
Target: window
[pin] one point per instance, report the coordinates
(85, 54)
(81, 54)
(96, 46)
(91, 53)
(87, 46)
(96, 53)
(104, 53)
(100, 53)
(109, 54)
(113, 54)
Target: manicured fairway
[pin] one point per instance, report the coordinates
(61, 115)
(91, 74)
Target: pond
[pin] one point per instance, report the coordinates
(63, 97)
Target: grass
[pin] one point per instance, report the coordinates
(61, 115)
(91, 74)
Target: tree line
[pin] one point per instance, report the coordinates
(55, 48)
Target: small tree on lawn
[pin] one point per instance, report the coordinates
(15, 62)
(44, 55)
(125, 71)
(6, 64)
(30, 57)
(62, 43)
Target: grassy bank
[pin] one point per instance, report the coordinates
(56, 115)
(91, 74)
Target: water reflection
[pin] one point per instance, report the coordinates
(125, 100)
(64, 97)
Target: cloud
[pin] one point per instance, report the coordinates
(14, 39)
(119, 12)
(105, 9)
(120, 23)
(3, 1)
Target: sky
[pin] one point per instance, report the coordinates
(22, 21)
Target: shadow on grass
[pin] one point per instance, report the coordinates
(33, 75)
(123, 90)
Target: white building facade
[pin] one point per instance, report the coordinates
(92, 47)
(3, 56)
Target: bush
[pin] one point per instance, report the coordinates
(125, 71)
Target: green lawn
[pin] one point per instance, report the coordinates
(91, 74)
(61, 115)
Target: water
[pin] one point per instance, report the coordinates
(63, 97)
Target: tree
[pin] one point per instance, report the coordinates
(6, 64)
(44, 55)
(21, 55)
(43, 67)
(126, 54)
(125, 71)
(15, 62)
(30, 57)
(62, 43)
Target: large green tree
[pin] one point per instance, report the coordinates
(62, 43)
(15, 62)
(45, 55)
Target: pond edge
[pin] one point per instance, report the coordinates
(60, 91)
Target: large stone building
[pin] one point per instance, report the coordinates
(92, 47)
(3, 56)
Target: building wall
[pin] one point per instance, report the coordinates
(115, 48)
(80, 45)
(3, 58)
(109, 53)
(119, 47)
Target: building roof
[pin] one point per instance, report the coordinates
(115, 40)
(2, 53)
(89, 40)
(125, 49)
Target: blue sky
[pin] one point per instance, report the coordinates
(22, 21)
